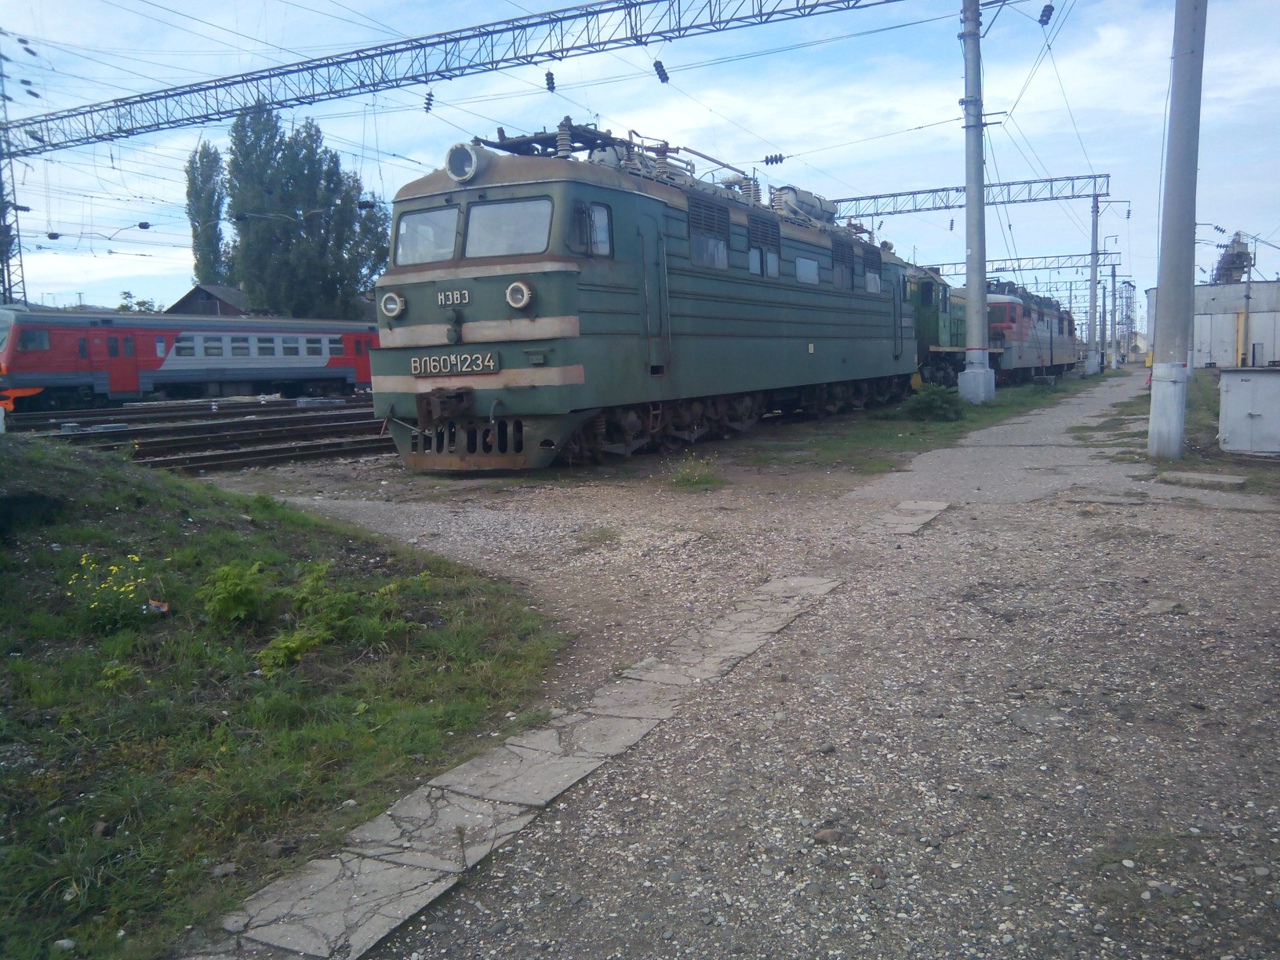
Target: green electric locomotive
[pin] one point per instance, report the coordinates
(572, 294)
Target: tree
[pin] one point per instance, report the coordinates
(309, 241)
(206, 199)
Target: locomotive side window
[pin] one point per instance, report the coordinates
(315, 347)
(764, 243)
(184, 346)
(211, 346)
(508, 229)
(425, 236)
(708, 234)
(239, 346)
(288, 346)
(113, 346)
(266, 346)
(33, 340)
(806, 270)
(335, 347)
(601, 231)
(842, 263)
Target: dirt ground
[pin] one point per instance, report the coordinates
(1039, 727)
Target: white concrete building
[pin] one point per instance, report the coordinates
(1235, 324)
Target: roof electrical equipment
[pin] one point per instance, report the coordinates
(773, 159)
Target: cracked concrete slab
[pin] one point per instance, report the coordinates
(636, 698)
(439, 830)
(906, 518)
(338, 906)
(513, 775)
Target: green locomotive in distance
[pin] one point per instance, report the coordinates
(1029, 335)
(572, 294)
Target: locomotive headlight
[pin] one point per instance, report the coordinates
(464, 161)
(392, 304)
(520, 294)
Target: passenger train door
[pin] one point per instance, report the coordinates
(654, 300)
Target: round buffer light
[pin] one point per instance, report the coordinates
(392, 304)
(519, 294)
(464, 161)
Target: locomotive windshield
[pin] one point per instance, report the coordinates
(508, 229)
(6, 322)
(425, 236)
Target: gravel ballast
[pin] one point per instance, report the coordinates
(1037, 727)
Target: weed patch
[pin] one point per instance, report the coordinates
(193, 679)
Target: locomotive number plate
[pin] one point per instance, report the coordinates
(449, 364)
(453, 298)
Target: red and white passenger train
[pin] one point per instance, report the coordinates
(53, 359)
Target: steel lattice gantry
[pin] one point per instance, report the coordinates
(575, 31)
(952, 198)
(1074, 261)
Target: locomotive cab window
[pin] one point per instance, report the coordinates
(591, 232)
(764, 244)
(508, 228)
(160, 351)
(33, 340)
(425, 236)
(708, 234)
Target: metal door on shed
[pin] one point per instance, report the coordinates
(1249, 417)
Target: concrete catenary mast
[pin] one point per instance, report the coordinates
(977, 382)
(1176, 277)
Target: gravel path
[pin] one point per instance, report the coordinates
(1045, 725)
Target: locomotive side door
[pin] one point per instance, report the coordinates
(654, 309)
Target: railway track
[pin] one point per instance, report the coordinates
(204, 436)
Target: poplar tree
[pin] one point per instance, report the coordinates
(206, 200)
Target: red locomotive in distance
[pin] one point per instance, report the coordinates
(58, 359)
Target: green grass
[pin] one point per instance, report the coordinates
(877, 441)
(694, 472)
(298, 665)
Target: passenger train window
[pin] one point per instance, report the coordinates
(266, 346)
(160, 351)
(289, 346)
(184, 346)
(335, 347)
(708, 234)
(508, 228)
(764, 241)
(113, 346)
(128, 346)
(315, 347)
(33, 340)
(425, 236)
(211, 346)
(239, 346)
(84, 348)
(359, 348)
(806, 270)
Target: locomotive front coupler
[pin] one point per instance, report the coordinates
(443, 402)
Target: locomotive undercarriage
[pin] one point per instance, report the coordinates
(668, 425)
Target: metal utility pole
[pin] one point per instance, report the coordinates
(1176, 278)
(977, 382)
(12, 287)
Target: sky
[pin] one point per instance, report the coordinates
(859, 102)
